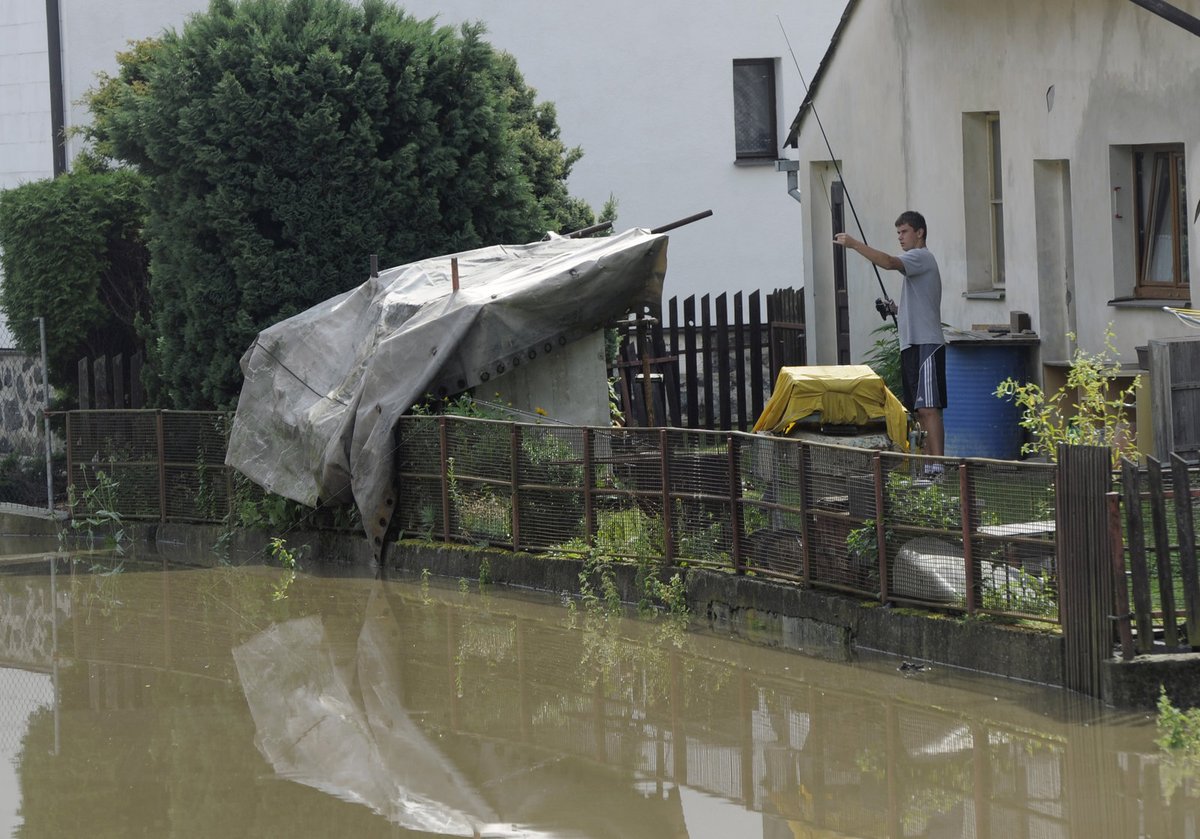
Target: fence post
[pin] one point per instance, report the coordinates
(735, 503)
(1182, 488)
(1131, 486)
(665, 473)
(444, 447)
(161, 436)
(514, 475)
(70, 468)
(880, 526)
(1086, 585)
(967, 514)
(589, 477)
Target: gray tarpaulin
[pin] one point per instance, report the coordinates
(323, 390)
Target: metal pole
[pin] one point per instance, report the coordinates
(46, 416)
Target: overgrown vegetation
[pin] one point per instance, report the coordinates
(1087, 410)
(1179, 740)
(72, 252)
(252, 159)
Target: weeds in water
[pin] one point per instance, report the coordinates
(289, 560)
(95, 511)
(1179, 740)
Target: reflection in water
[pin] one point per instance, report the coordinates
(192, 702)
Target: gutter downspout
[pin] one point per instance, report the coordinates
(792, 167)
(1174, 14)
(58, 122)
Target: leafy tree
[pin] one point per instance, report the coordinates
(285, 140)
(73, 254)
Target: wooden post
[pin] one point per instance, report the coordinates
(1162, 553)
(1187, 548)
(880, 527)
(1140, 575)
(1121, 614)
(1085, 565)
(85, 385)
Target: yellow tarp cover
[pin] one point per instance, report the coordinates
(845, 394)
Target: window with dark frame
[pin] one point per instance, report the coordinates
(996, 198)
(754, 121)
(1160, 207)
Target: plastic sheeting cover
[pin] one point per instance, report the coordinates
(323, 390)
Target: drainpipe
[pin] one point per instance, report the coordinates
(792, 167)
(1174, 14)
(58, 121)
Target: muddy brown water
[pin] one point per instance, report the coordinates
(164, 695)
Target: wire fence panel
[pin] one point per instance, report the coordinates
(703, 486)
(978, 538)
(1012, 508)
(772, 512)
(840, 502)
(115, 457)
(419, 508)
(923, 534)
(550, 479)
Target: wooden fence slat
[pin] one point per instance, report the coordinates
(723, 383)
(100, 377)
(1120, 589)
(706, 335)
(85, 384)
(671, 378)
(1185, 533)
(693, 395)
(756, 372)
(1131, 487)
(739, 371)
(1162, 552)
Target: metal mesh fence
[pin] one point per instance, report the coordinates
(980, 538)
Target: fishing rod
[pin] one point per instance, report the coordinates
(885, 305)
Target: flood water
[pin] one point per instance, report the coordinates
(139, 697)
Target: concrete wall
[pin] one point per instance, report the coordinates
(1071, 80)
(645, 89)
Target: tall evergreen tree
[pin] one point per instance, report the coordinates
(285, 140)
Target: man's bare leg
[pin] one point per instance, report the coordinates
(935, 432)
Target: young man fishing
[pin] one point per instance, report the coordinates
(919, 323)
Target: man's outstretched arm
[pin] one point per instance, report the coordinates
(883, 260)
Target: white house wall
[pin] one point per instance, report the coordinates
(892, 102)
(645, 88)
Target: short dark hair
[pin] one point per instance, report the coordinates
(914, 220)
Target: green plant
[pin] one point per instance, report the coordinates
(96, 509)
(1028, 593)
(1179, 740)
(289, 560)
(884, 357)
(485, 572)
(1084, 411)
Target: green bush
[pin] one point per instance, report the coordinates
(286, 140)
(72, 252)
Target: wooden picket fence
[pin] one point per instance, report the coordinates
(710, 366)
(1158, 578)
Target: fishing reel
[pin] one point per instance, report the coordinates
(886, 308)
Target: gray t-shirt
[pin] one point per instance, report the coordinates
(920, 317)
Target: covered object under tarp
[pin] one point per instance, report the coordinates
(323, 390)
(843, 394)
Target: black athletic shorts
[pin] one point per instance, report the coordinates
(923, 371)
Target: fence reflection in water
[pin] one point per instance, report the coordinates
(507, 688)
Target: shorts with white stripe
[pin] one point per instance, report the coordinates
(923, 370)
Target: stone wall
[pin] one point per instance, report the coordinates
(20, 403)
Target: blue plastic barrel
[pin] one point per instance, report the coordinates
(978, 423)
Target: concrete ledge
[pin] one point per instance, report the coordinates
(1136, 683)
